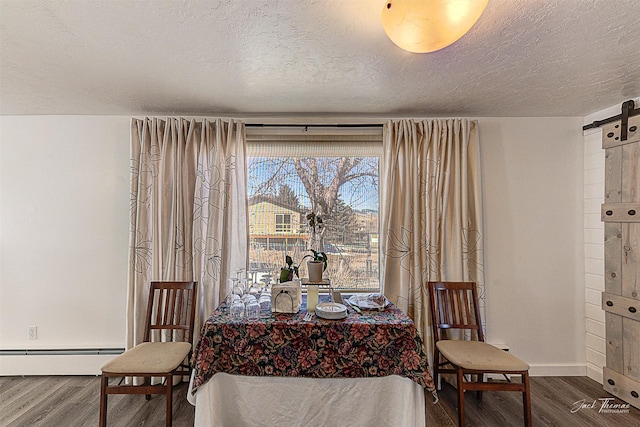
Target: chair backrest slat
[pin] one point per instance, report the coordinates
(179, 302)
(457, 308)
(166, 302)
(172, 318)
(454, 305)
(171, 308)
(443, 296)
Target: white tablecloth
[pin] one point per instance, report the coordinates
(232, 400)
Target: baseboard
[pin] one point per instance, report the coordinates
(549, 370)
(594, 372)
(566, 370)
(53, 364)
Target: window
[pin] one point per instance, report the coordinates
(283, 223)
(332, 172)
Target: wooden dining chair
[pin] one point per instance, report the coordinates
(165, 351)
(454, 305)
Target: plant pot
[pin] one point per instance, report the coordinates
(315, 270)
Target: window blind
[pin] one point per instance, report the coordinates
(313, 141)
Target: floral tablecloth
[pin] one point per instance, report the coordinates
(371, 344)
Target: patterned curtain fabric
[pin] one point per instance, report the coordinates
(188, 210)
(431, 215)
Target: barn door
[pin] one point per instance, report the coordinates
(621, 299)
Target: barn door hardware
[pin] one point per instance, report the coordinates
(628, 110)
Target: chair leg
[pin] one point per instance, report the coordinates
(169, 400)
(147, 381)
(526, 400)
(103, 400)
(436, 373)
(460, 398)
(479, 392)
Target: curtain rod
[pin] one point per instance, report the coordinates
(255, 125)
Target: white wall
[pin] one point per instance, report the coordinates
(64, 219)
(64, 216)
(532, 179)
(594, 253)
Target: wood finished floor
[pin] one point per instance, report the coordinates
(69, 401)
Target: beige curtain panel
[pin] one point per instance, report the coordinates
(431, 215)
(188, 210)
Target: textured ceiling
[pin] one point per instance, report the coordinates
(311, 57)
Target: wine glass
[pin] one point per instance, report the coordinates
(253, 273)
(228, 300)
(236, 287)
(253, 288)
(266, 279)
(265, 304)
(237, 309)
(253, 310)
(247, 298)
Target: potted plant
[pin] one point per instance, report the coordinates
(316, 265)
(286, 273)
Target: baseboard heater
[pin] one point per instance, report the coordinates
(62, 352)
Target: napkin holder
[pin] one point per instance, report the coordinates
(286, 297)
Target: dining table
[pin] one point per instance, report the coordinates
(288, 369)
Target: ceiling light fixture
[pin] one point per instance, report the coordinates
(421, 26)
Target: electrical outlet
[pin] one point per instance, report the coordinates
(33, 332)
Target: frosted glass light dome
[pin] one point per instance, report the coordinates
(421, 26)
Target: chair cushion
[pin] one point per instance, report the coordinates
(478, 355)
(149, 357)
